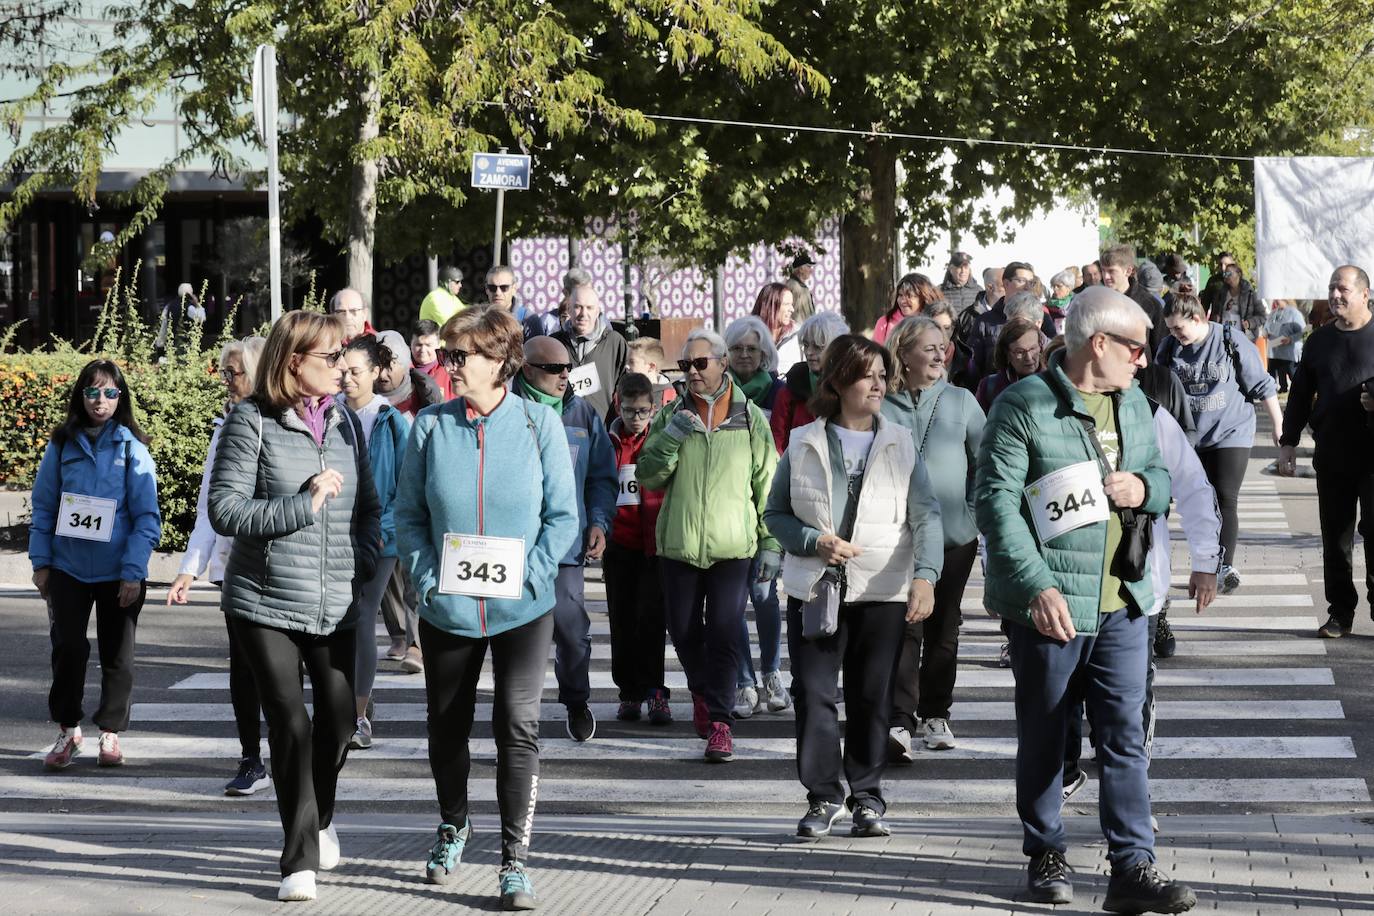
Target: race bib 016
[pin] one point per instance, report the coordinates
(629, 487)
(584, 380)
(1066, 500)
(482, 567)
(86, 517)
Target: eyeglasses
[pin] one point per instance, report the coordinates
(638, 413)
(741, 350)
(552, 368)
(1134, 346)
(498, 287)
(330, 359)
(699, 364)
(454, 359)
(93, 394)
(349, 311)
(1032, 353)
(228, 375)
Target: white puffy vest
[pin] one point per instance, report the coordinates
(883, 571)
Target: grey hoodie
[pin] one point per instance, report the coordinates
(1224, 419)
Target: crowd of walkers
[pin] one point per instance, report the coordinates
(458, 482)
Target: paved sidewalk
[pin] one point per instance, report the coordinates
(67, 863)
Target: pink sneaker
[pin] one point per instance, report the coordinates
(720, 747)
(110, 754)
(701, 717)
(66, 747)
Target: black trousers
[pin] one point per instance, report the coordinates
(634, 603)
(1339, 494)
(866, 645)
(1282, 371)
(704, 608)
(453, 664)
(1225, 469)
(929, 663)
(306, 755)
(70, 602)
(243, 696)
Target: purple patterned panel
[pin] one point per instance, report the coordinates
(540, 264)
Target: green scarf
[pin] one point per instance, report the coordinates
(758, 386)
(534, 394)
(814, 377)
(1061, 304)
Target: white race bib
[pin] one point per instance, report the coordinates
(1067, 499)
(629, 487)
(584, 380)
(86, 517)
(482, 567)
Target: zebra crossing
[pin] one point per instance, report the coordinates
(1248, 719)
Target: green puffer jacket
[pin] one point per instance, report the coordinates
(715, 485)
(1033, 430)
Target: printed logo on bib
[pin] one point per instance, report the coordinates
(86, 517)
(584, 380)
(629, 487)
(482, 567)
(1068, 499)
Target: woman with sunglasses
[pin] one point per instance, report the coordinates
(712, 454)
(293, 487)
(208, 551)
(95, 523)
(484, 513)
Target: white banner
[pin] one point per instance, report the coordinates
(1312, 214)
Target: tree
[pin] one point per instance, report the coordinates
(399, 91)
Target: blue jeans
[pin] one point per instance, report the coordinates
(768, 619)
(1106, 671)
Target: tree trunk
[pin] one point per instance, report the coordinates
(868, 238)
(362, 205)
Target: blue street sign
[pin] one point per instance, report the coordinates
(500, 172)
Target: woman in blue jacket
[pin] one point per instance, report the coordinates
(385, 430)
(483, 556)
(95, 523)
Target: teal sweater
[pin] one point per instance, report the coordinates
(951, 438)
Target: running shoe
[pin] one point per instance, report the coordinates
(774, 694)
(936, 734)
(64, 749)
(746, 701)
(1073, 785)
(868, 822)
(1333, 629)
(1165, 643)
(581, 723)
(298, 886)
(414, 662)
(1229, 582)
(397, 650)
(446, 853)
(329, 848)
(1004, 656)
(820, 819)
(362, 735)
(720, 746)
(660, 713)
(517, 893)
(252, 777)
(628, 711)
(898, 745)
(110, 754)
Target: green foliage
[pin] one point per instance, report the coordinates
(175, 401)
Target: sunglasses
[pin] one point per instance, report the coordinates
(330, 359)
(553, 368)
(229, 375)
(454, 359)
(93, 394)
(1135, 347)
(699, 364)
(498, 287)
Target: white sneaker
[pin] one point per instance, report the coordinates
(898, 744)
(746, 701)
(936, 734)
(775, 694)
(1004, 656)
(362, 735)
(299, 885)
(1229, 581)
(329, 849)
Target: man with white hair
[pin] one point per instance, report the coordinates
(1069, 480)
(348, 304)
(597, 350)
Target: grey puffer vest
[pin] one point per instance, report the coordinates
(289, 567)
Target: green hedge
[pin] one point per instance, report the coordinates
(175, 402)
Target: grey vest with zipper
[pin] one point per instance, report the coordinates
(289, 567)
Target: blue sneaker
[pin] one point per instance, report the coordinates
(446, 853)
(252, 777)
(517, 893)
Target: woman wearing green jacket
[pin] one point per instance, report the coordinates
(947, 426)
(851, 501)
(712, 454)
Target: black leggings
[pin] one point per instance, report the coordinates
(519, 660)
(306, 755)
(1225, 469)
(69, 610)
(243, 696)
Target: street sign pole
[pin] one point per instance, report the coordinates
(500, 215)
(265, 114)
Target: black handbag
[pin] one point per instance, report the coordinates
(1132, 559)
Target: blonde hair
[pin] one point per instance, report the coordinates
(902, 337)
(493, 332)
(294, 333)
(649, 349)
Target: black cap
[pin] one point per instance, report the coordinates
(960, 259)
(802, 260)
(449, 274)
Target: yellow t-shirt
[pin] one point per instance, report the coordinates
(1104, 418)
(439, 306)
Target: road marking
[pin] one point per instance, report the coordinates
(985, 624)
(1181, 580)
